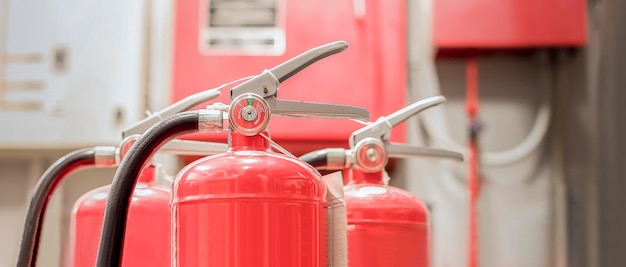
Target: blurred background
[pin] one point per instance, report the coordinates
(548, 72)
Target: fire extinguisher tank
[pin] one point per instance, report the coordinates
(249, 207)
(387, 226)
(147, 240)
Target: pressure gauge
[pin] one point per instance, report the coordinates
(249, 114)
(371, 155)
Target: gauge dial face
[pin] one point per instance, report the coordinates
(371, 155)
(249, 114)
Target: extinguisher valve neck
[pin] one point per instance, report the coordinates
(359, 176)
(239, 141)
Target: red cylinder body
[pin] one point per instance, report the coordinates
(387, 226)
(147, 240)
(249, 207)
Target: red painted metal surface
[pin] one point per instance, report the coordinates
(509, 23)
(147, 240)
(387, 226)
(249, 207)
(473, 180)
(371, 73)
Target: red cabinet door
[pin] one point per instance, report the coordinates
(509, 23)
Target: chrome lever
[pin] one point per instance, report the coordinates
(266, 84)
(405, 113)
(381, 128)
(290, 67)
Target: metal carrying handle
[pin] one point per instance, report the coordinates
(180, 106)
(193, 148)
(409, 151)
(267, 83)
(178, 147)
(289, 108)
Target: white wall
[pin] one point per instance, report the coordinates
(110, 67)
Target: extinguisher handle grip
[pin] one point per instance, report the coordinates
(411, 110)
(407, 151)
(184, 104)
(294, 65)
(381, 128)
(266, 84)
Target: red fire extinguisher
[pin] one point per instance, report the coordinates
(89, 209)
(386, 226)
(148, 239)
(246, 207)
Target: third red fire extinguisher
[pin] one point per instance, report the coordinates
(149, 203)
(387, 226)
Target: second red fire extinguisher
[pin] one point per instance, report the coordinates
(387, 226)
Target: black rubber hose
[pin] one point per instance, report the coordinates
(39, 201)
(317, 159)
(116, 212)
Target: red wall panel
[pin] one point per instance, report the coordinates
(371, 73)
